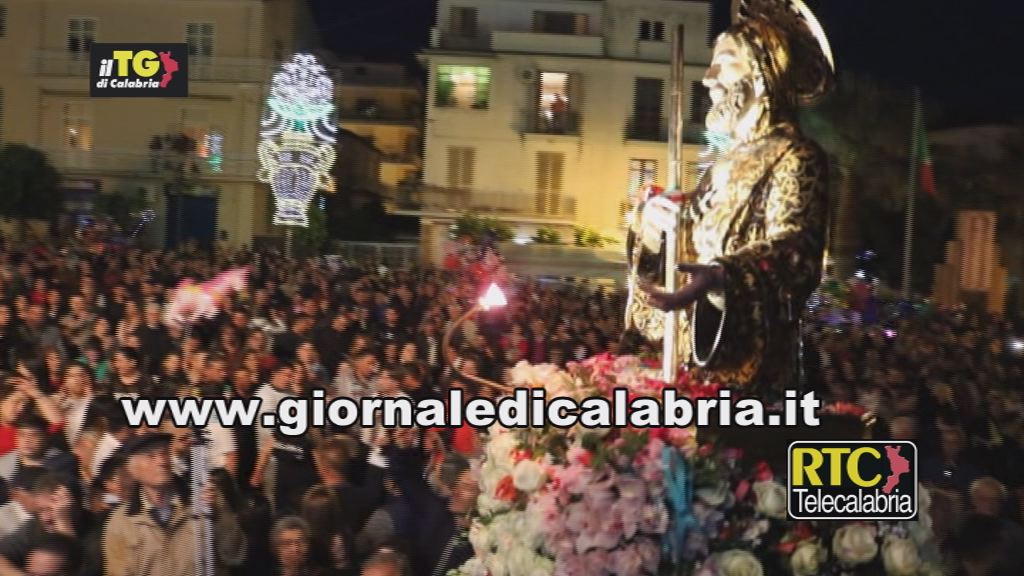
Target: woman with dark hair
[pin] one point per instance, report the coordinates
(331, 543)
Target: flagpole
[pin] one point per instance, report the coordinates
(908, 233)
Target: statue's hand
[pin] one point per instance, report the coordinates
(703, 279)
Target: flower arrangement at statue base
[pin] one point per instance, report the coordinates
(575, 501)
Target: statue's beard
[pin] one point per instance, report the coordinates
(730, 108)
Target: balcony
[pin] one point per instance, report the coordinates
(656, 130)
(545, 43)
(145, 164)
(425, 199)
(235, 70)
(545, 122)
(378, 116)
(406, 158)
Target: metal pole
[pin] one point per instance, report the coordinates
(908, 232)
(288, 242)
(670, 362)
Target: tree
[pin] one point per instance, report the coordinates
(29, 184)
(311, 239)
(865, 128)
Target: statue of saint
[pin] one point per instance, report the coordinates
(751, 236)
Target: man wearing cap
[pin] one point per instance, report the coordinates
(154, 533)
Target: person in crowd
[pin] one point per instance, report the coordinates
(386, 562)
(290, 540)
(157, 521)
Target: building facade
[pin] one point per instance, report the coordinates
(554, 113)
(384, 104)
(105, 145)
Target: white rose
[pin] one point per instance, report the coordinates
(528, 476)
(855, 544)
(521, 374)
(738, 563)
(900, 557)
(481, 538)
(771, 499)
(488, 504)
(808, 558)
(473, 567)
(522, 561)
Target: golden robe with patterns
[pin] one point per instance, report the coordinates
(759, 212)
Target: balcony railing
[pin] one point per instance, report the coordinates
(220, 69)
(651, 130)
(378, 115)
(145, 163)
(400, 158)
(424, 198)
(547, 43)
(547, 122)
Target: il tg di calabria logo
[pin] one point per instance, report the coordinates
(852, 480)
(153, 70)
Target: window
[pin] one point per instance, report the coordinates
(463, 22)
(199, 37)
(653, 30)
(460, 167)
(560, 23)
(549, 182)
(647, 122)
(700, 102)
(463, 86)
(196, 125)
(81, 35)
(77, 127)
(3, 20)
(366, 107)
(214, 146)
(556, 103)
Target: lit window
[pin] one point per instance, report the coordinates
(214, 147)
(463, 87)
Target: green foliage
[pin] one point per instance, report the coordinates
(586, 237)
(311, 239)
(476, 227)
(547, 236)
(120, 206)
(29, 184)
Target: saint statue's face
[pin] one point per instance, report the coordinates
(735, 94)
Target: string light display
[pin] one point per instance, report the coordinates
(296, 151)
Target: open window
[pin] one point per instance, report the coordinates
(463, 87)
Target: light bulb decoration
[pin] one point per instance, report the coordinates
(296, 151)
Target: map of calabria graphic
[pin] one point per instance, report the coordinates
(170, 67)
(899, 466)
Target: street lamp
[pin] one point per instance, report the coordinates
(493, 298)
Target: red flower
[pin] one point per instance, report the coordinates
(742, 489)
(763, 472)
(506, 489)
(802, 531)
(705, 450)
(764, 265)
(520, 455)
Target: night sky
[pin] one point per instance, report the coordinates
(965, 54)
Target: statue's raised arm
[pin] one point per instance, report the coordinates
(752, 235)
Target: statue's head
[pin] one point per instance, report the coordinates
(774, 59)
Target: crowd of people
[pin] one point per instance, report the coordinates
(85, 493)
(949, 381)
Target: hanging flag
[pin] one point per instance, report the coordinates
(924, 156)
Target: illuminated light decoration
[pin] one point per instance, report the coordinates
(215, 151)
(493, 298)
(296, 152)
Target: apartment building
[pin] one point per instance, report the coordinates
(104, 145)
(553, 113)
(383, 103)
